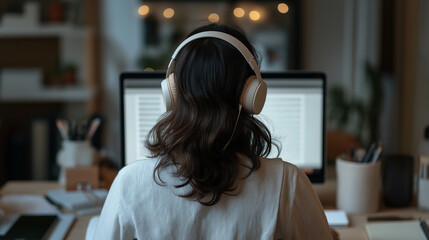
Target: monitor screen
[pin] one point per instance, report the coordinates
(293, 112)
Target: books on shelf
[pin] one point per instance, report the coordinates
(39, 149)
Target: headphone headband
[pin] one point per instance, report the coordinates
(226, 37)
(254, 91)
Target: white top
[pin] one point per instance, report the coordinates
(276, 201)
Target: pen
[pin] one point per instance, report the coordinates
(61, 129)
(359, 154)
(93, 127)
(376, 154)
(425, 228)
(352, 153)
(73, 130)
(368, 154)
(388, 218)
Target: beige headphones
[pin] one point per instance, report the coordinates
(254, 92)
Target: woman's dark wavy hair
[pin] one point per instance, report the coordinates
(209, 76)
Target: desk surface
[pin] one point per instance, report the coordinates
(78, 229)
(326, 193)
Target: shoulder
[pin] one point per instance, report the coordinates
(137, 166)
(278, 170)
(288, 169)
(136, 172)
(293, 179)
(133, 182)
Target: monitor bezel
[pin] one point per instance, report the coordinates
(318, 176)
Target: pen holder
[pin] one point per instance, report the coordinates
(358, 186)
(74, 154)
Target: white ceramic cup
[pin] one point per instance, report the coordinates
(358, 186)
(73, 154)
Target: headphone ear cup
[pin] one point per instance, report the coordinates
(253, 95)
(168, 87)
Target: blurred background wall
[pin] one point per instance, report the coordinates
(373, 52)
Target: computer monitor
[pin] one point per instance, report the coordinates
(294, 112)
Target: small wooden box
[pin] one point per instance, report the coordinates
(81, 176)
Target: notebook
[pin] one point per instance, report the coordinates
(337, 218)
(395, 230)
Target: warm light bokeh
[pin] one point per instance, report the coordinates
(143, 10)
(283, 8)
(239, 12)
(214, 17)
(168, 13)
(254, 15)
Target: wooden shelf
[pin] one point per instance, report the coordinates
(63, 94)
(44, 31)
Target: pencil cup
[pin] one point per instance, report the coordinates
(74, 154)
(358, 186)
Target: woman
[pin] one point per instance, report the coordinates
(207, 177)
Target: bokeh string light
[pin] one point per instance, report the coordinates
(168, 13)
(213, 17)
(144, 10)
(239, 12)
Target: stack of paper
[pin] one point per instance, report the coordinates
(26, 204)
(82, 202)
